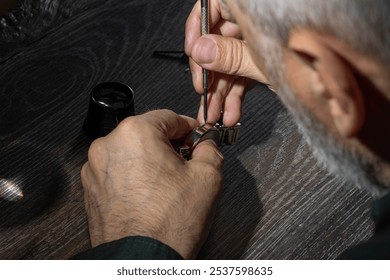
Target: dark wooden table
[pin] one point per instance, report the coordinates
(277, 202)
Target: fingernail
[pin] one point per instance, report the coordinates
(205, 51)
(226, 116)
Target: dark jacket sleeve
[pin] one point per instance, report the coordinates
(130, 248)
(378, 246)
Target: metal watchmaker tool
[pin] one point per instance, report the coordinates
(220, 134)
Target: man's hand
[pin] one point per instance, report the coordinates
(227, 55)
(136, 184)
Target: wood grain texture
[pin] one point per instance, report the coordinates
(277, 202)
(29, 21)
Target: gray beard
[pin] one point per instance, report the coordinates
(341, 161)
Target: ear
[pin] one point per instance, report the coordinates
(332, 81)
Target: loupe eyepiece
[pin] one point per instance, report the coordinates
(109, 104)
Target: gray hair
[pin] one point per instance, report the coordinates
(363, 24)
(346, 19)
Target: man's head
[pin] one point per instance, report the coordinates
(330, 63)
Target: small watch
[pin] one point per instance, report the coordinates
(220, 134)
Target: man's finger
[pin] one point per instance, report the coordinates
(225, 55)
(197, 78)
(208, 152)
(214, 108)
(193, 23)
(233, 103)
(192, 28)
(169, 123)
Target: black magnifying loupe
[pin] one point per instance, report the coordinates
(109, 104)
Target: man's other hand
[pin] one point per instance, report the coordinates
(136, 184)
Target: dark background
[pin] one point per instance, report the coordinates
(277, 202)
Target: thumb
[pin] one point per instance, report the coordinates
(208, 152)
(226, 55)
